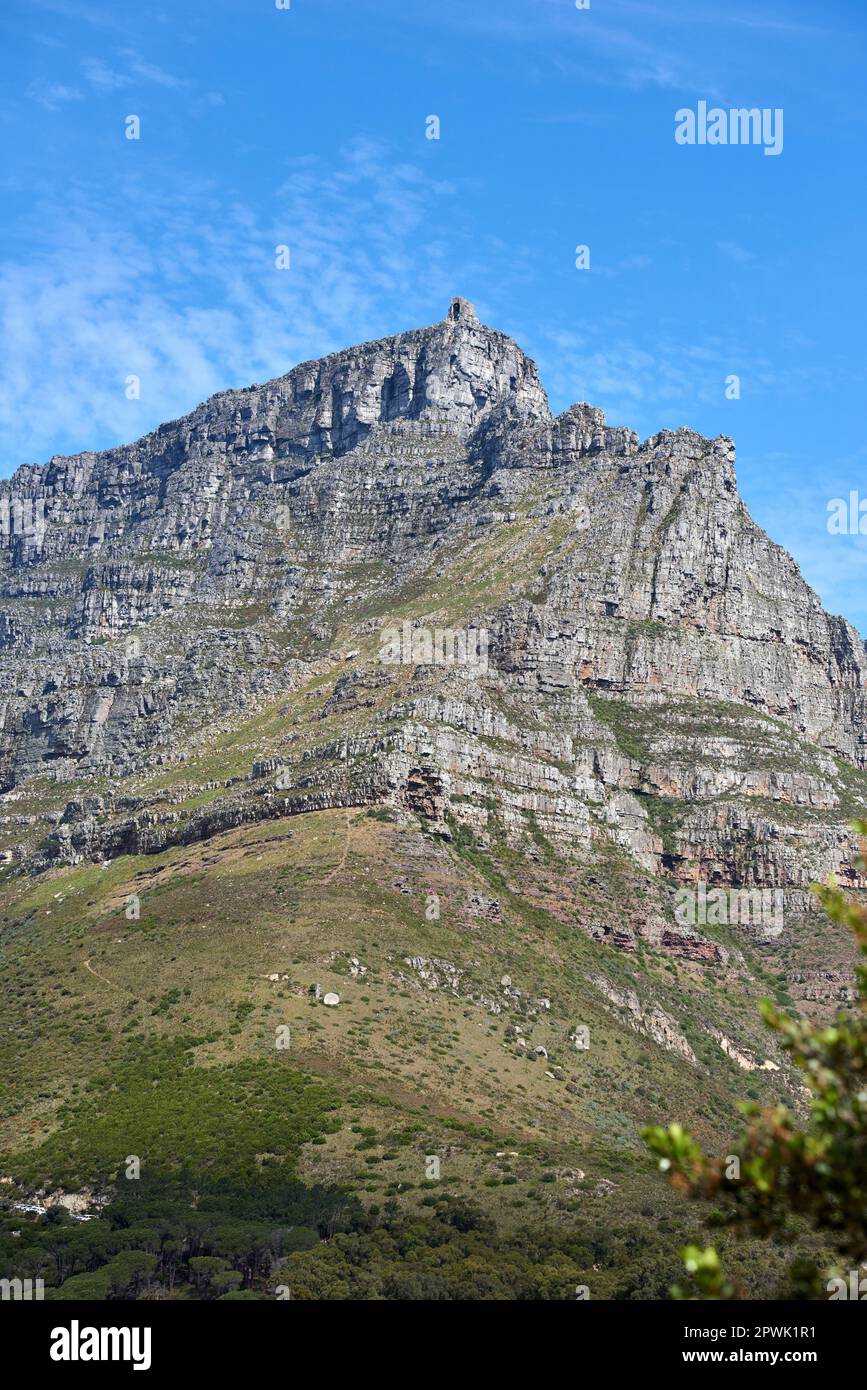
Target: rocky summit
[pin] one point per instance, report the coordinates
(509, 737)
(657, 673)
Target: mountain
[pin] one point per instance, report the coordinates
(512, 730)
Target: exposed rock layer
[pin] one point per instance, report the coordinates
(658, 676)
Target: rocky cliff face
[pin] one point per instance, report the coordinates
(191, 629)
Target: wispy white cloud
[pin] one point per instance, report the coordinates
(108, 17)
(149, 72)
(102, 77)
(647, 377)
(595, 46)
(735, 252)
(48, 41)
(179, 287)
(187, 296)
(53, 95)
(132, 70)
(714, 15)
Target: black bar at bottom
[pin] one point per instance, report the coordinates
(68, 1338)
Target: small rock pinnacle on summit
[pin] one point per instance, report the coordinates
(462, 311)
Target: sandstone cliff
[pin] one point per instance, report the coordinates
(659, 676)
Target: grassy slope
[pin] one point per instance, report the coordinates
(416, 1072)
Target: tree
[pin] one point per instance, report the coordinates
(128, 1272)
(205, 1269)
(790, 1177)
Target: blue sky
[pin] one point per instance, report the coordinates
(306, 127)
